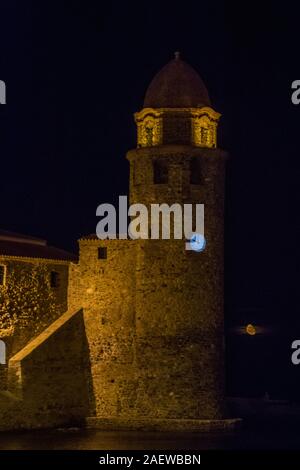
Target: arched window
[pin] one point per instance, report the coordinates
(2, 352)
(204, 136)
(149, 126)
(195, 171)
(160, 172)
(149, 135)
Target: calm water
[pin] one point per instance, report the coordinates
(255, 436)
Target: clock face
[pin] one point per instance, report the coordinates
(197, 242)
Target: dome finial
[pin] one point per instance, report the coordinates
(177, 55)
(176, 85)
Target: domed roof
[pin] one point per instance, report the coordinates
(176, 85)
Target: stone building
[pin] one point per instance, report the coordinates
(153, 311)
(141, 345)
(33, 289)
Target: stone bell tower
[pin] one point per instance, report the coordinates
(179, 293)
(153, 311)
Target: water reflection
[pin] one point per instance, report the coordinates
(251, 437)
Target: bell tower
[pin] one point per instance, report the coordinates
(176, 140)
(179, 293)
(153, 310)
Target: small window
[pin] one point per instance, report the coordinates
(160, 172)
(195, 171)
(102, 252)
(204, 135)
(133, 170)
(149, 136)
(54, 279)
(2, 274)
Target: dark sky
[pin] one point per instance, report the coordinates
(76, 71)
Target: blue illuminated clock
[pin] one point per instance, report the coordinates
(197, 242)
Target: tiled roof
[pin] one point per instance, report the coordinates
(18, 237)
(32, 250)
(176, 85)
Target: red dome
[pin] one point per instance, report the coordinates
(176, 85)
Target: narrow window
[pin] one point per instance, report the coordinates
(2, 274)
(149, 132)
(149, 136)
(195, 171)
(160, 172)
(54, 279)
(133, 169)
(204, 135)
(102, 252)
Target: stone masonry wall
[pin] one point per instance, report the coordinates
(105, 289)
(50, 378)
(28, 304)
(179, 294)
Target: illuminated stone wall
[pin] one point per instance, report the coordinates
(153, 311)
(106, 290)
(27, 302)
(189, 126)
(179, 294)
(49, 378)
(180, 333)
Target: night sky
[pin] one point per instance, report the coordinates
(76, 71)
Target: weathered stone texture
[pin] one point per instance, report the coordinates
(105, 289)
(49, 379)
(153, 310)
(28, 304)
